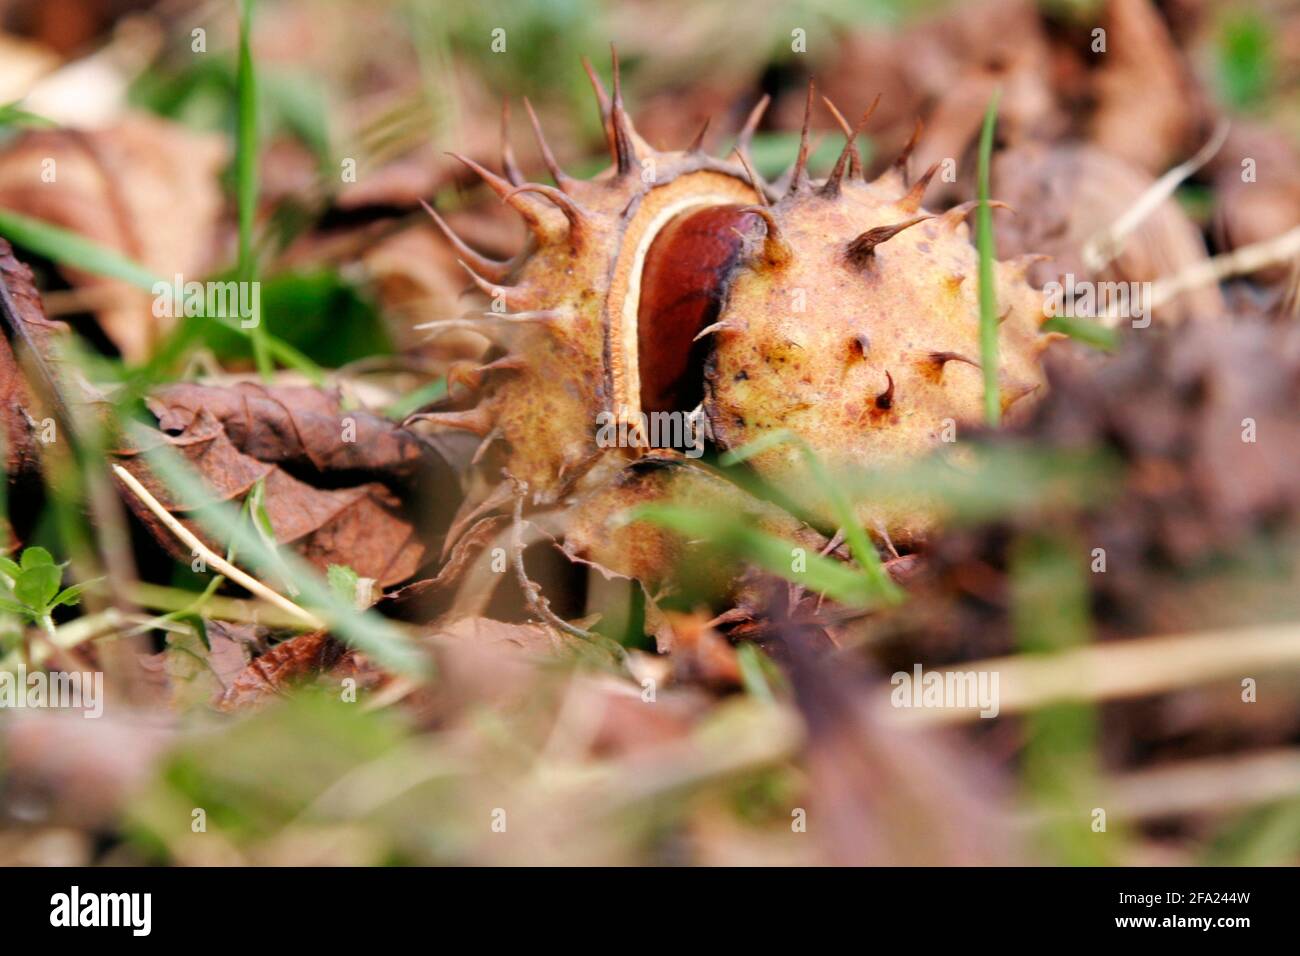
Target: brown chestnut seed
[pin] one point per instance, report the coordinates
(683, 282)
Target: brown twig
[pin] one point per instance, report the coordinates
(213, 559)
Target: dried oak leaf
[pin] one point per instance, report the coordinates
(1182, 407)
(144, 187)
(81, 772)
(291, 662)
(698, 652)
(416, 278)
(1072, 192)
(886, 795)
(1256, 189)
(360, 526)
(943, 70)
(295, 426)
(188, 673)
(1199, 503)
(23, 318)
(1147, 102)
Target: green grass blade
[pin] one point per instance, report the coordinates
(413, 401)
(367, 631)
(71, 249)
(288, 355)
(11, 114)
(735, 535)
(246, 177)
(864, 552)
(751, 662)
(993, 483)
(1060, 769)
(988, 279)
(1084, 330)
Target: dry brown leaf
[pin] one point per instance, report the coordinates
(884, 797)
(64, 769)
(416, 279)
(296, 426)
(279, 669)
(944, 70)
(1146, 101)
(187, 673)
(358, 526)
(1069, 193)
(21, 451)
(146, 187)
(698, 652)
(294, 438)
(1256, 189)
